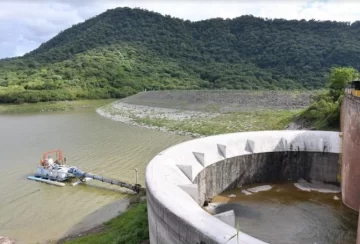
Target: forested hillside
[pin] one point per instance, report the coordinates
(123, 51)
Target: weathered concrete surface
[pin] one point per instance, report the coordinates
(358, 231)
(173, 175)
(265, 168)
(227, 217)
(350, 173)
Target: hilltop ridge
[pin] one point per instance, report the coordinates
(123, 51)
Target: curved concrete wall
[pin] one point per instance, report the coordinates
(350, 173)
(264, 168)
(179, 178)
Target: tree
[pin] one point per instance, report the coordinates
(339, 77)
(324, 112)
(132, 48)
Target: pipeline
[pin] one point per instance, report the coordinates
(82, 175)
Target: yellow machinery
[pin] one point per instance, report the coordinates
(353, 88)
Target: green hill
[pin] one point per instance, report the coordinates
(123, 51)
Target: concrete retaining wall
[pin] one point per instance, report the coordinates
(266, 168)
(350, 175)
(179, 178)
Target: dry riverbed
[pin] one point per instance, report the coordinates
(203, 113)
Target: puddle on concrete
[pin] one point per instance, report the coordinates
(285, 214)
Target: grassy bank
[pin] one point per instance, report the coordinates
(226, 123)
(210, 112)
(130, 227)
(200, 123)
(79, 105)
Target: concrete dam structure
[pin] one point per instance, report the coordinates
(350, 127)
(350, 160)
(180, 179)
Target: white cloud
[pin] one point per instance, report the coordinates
(24, 25)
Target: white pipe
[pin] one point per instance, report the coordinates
(46, 181)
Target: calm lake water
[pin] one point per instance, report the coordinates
(35, 212)
(286, 215)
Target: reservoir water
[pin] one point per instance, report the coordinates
(286, 215)
(34, 212)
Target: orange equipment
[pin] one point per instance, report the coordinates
(59, 159)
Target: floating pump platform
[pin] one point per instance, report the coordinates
(55, 172)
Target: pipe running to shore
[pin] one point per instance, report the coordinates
(82, 175)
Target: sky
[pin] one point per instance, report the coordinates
(25, 24)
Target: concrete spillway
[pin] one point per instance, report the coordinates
(181, 178)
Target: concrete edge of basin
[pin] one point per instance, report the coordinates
(174, 214)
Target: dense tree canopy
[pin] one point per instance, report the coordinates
(123, 51)
(324, 112)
